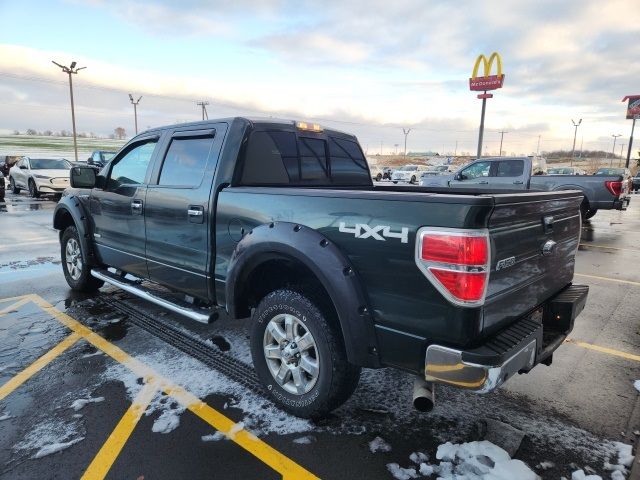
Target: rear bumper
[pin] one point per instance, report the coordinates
(518, 348)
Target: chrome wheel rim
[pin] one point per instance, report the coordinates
(73, 258)
(291, 354)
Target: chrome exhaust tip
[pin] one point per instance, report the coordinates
(423, 395)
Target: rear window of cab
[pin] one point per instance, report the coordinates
(287, 158)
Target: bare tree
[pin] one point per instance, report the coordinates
(31, 131)
(120, 133)
(16, 132)
(47, 133)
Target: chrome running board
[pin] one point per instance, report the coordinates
(201, 315)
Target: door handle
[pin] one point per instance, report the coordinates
(136, 207)
(195, 213)
(483, 183)
(518, 182)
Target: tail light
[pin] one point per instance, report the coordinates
(456, 262)
(614, 186)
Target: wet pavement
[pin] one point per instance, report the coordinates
(75, 415)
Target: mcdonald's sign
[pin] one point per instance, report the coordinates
(487, 81)
(633, 107)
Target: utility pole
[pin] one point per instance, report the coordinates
(575, 133)
(395, 146)
(621, 149)
(380, 147)
(406, 133)
(135, 109)
(501, 137)
(613, 150)
(455, 152)
(204, 104)
(71, 70)
(538, 149)
(581, 143)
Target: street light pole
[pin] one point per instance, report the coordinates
(575, 133)
(501, 137)
(406, 133)
(71, 70)
(538, 149)
(204, 104)
(621, 149)
(613, 150)
(135, 109)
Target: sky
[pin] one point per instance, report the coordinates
(368, 67)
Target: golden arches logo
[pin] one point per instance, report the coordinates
(487, 81)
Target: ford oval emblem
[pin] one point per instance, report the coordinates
(548, 247)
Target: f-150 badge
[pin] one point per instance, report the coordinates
(377, 232)
(505, 263)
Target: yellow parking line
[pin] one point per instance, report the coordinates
(289, 469)
(103, 461)
(610, 351)
(38, 365)
(14, 306)
(609, 279)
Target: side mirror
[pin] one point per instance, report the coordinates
(22, 167)
(83, 177)
(458, 176)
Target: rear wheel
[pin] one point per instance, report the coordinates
(379, 177)
(76, 272)
(413, 179)
(590, 213)
(12, 184)
(33, 189)
(299, 355)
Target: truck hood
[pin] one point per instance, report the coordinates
(51, 173)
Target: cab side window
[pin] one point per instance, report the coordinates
(510, 168)
(479, 169)
(185, 161)
(131, 168)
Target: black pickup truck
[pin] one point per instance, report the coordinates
(280, 221)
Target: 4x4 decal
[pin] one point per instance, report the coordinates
(377, 232)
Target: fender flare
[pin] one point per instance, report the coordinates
(73, 206)
(329, 265)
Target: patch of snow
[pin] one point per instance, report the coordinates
(426, 469)
(49, 434)
(473, 460)
(379, 445)
(87, 355)
(419, 457)
(306, 440)
(545, 465)
(617, 475)
(80, 403)
(625, 455)
(400, 473)
(5, 416)
(235, 429)
(56, 447)
(580, 475)
(167, 422)
(637, 385)
(215, 437)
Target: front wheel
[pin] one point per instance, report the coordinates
(33, 190)
(299, 355)
(76, 272)
(413, 179)
(12, 184)
(379, 177)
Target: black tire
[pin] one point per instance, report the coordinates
(584, 209)
(336, 380)
(379, 177)
(83, 282)
(413, 179)
(590, 213)
(12, 184)
(33, 189)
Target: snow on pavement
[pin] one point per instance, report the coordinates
(637, 385)
(55, 448)
(80, 403)
(379, 445)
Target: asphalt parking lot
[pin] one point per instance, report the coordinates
(108, 386)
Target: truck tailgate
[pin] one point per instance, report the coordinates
(534, 239)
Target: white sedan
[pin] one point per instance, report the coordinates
(39, 175)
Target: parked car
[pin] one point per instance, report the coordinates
(99, 158)
(376, 173)
(6, 162)
(280, 221)
(386, 172)
(435, 170)
(2, 187)
(519, 173)
(39, 175)
(407, 174)
(565, 171)
(635, 182)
